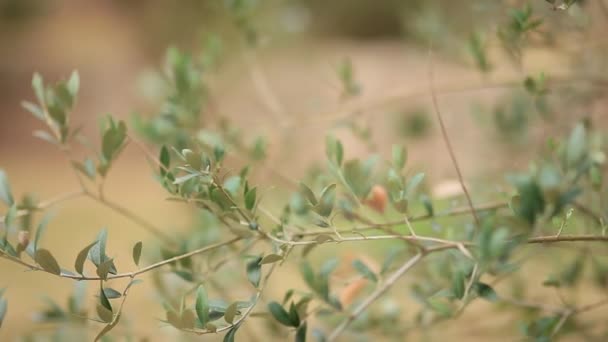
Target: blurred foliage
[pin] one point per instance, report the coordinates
(244, 232)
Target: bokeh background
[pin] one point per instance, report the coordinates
(117, 44)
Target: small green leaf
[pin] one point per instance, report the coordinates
(326, 202)
(111, 293)
(305, 190)
(45, 259)
(254, 271)
(165, 160)
(202, 306)
(486, 292)
(3, 309)
(279, 313)
(38, 86)
(73, 84)
(250, 198)
(301, 333)
(82, 257)
(6, 194)
(230, 313)
(365, 271)
(414, 183)
(458, 284)
(104, 301)
(103, 313)
(104, 268)
(10, 217)
(577, 145)
(34, 109)
(229, 337)
(399, 156)
(137, 252)
(271, 258)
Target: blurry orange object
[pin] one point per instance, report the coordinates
(378, 198)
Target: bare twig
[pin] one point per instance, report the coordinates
(446, 139)
(149, 226)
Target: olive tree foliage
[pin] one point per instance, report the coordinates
(558, 201)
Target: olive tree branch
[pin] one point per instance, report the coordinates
(131, 274)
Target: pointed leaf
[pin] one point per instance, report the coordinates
(45, 259)
(254, 271)
(6, 194)
(103, 313)
(250, 198)
(137, 252)
(82, 257)
(271, 258)
(202, 305)
(3, 309)
(364, 270)
(279, 313)
(229, 337)
(104, 269)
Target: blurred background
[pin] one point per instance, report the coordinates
(279, 72)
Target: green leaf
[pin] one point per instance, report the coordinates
(202, 305)
(531, 200)
(45, 259)
(6, 194)
(137, 252)
(301, 333)
(73, 85)
(113, 139)
(232, 185)
(458, 284)
(104, 301)
(486, 292)
(230, 313)
(10, 217)
(326, 202)
(271, 258)
(165, 160)
(229, 337)
(82, 257)
(279, 313)
(104, 268)
(38, 86)
(250, 198)
(577, 145)
(308, 274)
(294, 315)
(305, 190)
(254, 271)
(365, 271)
(428, 205)
(106, 315)
(98, 252)
(34, 109)
(399, 157)
(334, 150)
(3, 309)
(111, 293)
(414, 183)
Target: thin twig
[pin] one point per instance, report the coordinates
(127, 274)
(149, 226)
(49, 203)
(446, 139)
(390, 281)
